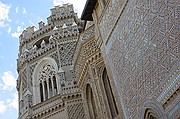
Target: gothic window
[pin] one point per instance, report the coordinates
(41, 92)
(150, 114)
(91, 102)
(109, 94)
(47, 82)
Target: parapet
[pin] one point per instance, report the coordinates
(27, 32)
(62, 10)
(41, 25)
(60, 16)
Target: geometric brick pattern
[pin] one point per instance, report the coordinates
(144, 49)
(24, 80)
(66, 52)
(76, 111)
(109, 18)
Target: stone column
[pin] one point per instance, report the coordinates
(58, 83)
(47, 81)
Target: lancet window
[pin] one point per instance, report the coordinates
(109, 94)
(47, 82)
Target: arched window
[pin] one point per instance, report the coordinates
(150, 114)
(46, 76)
(42, 80)
(109, 94)
(91, 103)
(41, 92)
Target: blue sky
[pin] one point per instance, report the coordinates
(15, 16)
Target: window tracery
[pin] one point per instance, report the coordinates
(47, 82)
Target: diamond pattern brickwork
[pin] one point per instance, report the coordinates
(66, 52)
(143, 50)
(76, 111)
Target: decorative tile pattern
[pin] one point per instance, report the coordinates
(144, 48)
(66, 52)
(76, 111)
(110, 17)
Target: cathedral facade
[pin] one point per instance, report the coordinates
(119, 61)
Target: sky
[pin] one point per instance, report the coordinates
(15, 16)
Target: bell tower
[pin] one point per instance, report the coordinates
(46, 82)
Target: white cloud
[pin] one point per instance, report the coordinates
(9, 103)
(9, 81)
(78, 4)
(19, 29)
(17, 21)
(8, 100)
(9, 30)
(2, 107)
(2, 24)
(57, 2)
(17, 33)
(4, 12)
(24, 11)
(39, 19)
(13, 103)
(31, 23)
(17, 9)
(22, 23)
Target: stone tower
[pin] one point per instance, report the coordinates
(125, 55)
(46, 83)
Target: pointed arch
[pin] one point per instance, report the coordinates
(109, 94)
(91, 102)
(44, 69)
(150, 114)
(152, 109)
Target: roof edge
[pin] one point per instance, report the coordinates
(88, 10)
